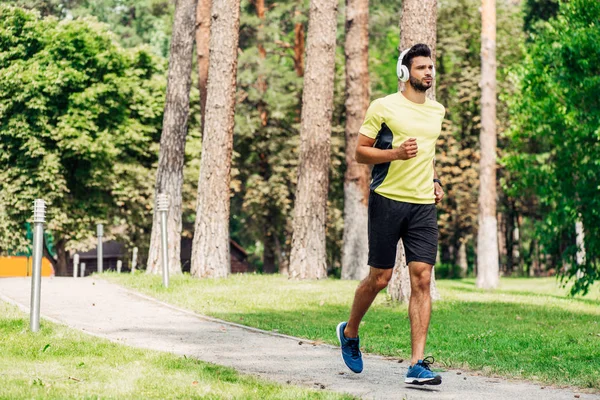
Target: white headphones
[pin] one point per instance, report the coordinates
(402, 70)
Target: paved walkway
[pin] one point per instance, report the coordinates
(107, 310)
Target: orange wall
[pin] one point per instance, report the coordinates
(21, 266)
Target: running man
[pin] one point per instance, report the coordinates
(398, 137)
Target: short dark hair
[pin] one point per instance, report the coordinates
(418, 50)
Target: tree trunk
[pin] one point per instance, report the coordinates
(487, 238)
(580, 241)
(308, 256)
(169, 177)
(202, 42)
(210, 248)
(462, 259)
(418, 25)
(299, 49)
(62, 258)
(356, 179)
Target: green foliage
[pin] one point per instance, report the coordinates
(79, 121)
(134, 22)
(555, 140)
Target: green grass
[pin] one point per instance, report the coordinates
(528, 328)
(61, 363)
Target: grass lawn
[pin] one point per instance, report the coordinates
(528, 328)
(61, 363)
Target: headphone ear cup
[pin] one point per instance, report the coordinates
(402, 71)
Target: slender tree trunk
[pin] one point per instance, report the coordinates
(299, 49)
(308, 256)
(487, 238)
(356, 179)
(169, 177)
(462, 259)
(202, 42)
(418, 24)
(210, 248)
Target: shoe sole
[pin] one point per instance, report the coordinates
(423, 381)
(337, 331)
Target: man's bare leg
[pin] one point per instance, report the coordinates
(365, 293)
(419, 308)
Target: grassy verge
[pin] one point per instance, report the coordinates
(527, 329)
(61, 363)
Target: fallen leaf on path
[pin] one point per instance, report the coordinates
(194, 383)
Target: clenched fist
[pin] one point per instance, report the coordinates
(407, 150)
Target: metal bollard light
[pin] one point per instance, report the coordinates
(39, 217)
(119, 265)
(162, 206)
(134, 260)
(100, 233)
(75, 264)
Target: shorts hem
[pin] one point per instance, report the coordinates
(420, 260)
(381, 266)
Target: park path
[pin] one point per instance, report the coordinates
(110, 311)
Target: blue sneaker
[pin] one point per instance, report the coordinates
(350, 350)
(420, 374)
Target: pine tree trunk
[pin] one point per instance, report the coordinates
(418, 25)
(356, 179)
(487, 238)
(202, 42)
(308, 256)
(299, 49)
(210, 248)
(169, 177)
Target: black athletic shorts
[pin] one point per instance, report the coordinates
(390, 220)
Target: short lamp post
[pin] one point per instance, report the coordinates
(100, 233)
(39, 218)
(162, 206)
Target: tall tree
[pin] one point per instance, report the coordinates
(210, 249)
(169, 176)
(81, 142)
(356, 179)
(487, 236)
(418, 24)
(202, 42)
(308, 255)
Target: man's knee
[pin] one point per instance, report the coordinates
(420, 277)
(379, 278)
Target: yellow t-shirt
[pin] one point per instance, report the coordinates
(392, 120)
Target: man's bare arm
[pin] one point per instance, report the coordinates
(367, 154)
(437, 188)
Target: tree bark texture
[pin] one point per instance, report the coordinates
(202, 42)
(308, 256)
(210, 248)
(299, 49)
(169, 177)
(356, 179)
(487, 237)
(418, 24)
